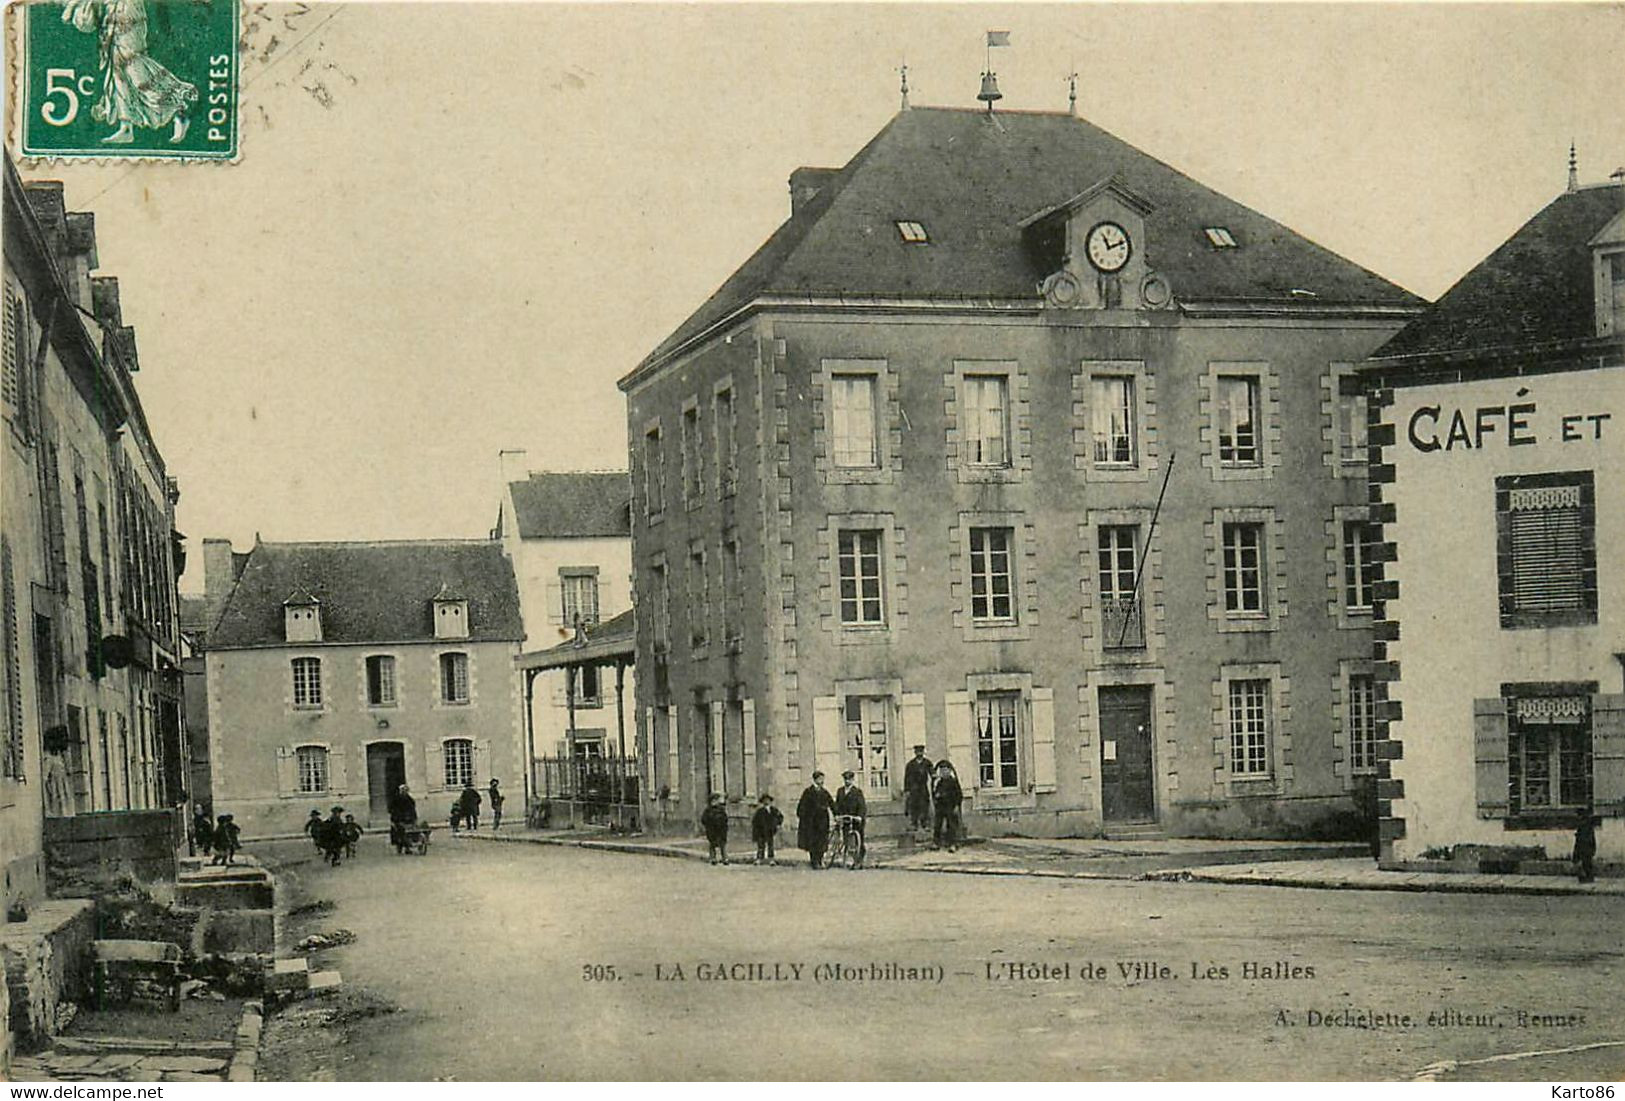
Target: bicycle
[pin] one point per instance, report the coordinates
(846, 846)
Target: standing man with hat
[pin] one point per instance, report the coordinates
(812, 820)
(917, 790)
(850, 803)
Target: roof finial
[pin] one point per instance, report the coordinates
(904, 71)
(1072, 93)
(1574, 169)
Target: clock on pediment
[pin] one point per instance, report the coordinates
(1092, 248)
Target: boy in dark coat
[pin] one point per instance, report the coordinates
(330, 835)
(468, 804)
(917, 789)
(764, 827)
(313, 828)
(497, 799)
(352, 834)
(947, 796)
(813, 815)
(1585, 848)
(715, 820)
(226, 839)
(202, 831)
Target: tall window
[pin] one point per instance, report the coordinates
(859, 554)
(458, 754)
(16, 379)
(852, 408)
(693, 467)
(1547, 554)
(1112, 412)
(307, 682)
(867, 741)
(1359, 564)
(997, 739)
(987, 420)
(699, 600)
(1238, 421)
(654, 473)
(1250, 727)
(731, 630)
(1549, 753)
(990, 578)
(660, 591)
(381, 680)
(1362, 722)
(1616, 264)
(1351, 428)
(587, 685)
(1118, 558)
(454, 677)
(312, 762)
(1244, 569)
(579, 593)
(727, 426)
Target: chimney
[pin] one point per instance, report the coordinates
(513, 465)
(806, 183)
(219, 575)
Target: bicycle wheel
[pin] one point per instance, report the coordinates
(832, 855)
(852, 850)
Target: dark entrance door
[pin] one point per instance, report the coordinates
(1127, 783)
(386, 772)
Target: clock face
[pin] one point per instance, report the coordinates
(1107, 246)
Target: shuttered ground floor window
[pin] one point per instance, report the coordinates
(1549, 753)
(1545, 752)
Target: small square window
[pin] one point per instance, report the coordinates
(913, 233)
(1219, 237)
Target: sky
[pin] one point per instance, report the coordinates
(454, 226)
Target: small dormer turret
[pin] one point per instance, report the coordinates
(450, 610)
(302, 617)
(1091, 249)
(1608, 276)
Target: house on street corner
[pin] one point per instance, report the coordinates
(1016, 443)
(1498, 479)
(337, 671)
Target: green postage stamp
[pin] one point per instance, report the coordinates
(129, 78)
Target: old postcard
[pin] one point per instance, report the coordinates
(751, 542)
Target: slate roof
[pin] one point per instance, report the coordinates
(371, 592)
(1534, 289)
(194, 613)
(971, 182)
(616, 637)
(573, 505)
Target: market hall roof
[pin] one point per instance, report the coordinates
(971, 179)
(573, 505)
(371, 592)
(614, 639)
(1535, 289)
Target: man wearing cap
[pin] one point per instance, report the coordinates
(850, 803)
(812, 820)
(917, 790)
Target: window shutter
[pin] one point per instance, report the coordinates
(748, 708)
(912, 706)
(827, 737)
(713, 744)
(1043, 739)
(482, 762)
(1608, 755)
(337, 776)
(435, 755)
(555, 602)
(648, 752)
(674, 755)
(287, 771)
(956, 712)
(1490, 756)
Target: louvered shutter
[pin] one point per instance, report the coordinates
(748, 709)
(338, 777)
(1043, 739)
(435, 766)
(482, 763)
(287, 771)
(1490, 756)
(674, 752)
(555, 602)
(718, 730)
(1608, 755)
(1547, 529)
(827, 737)
(956, 711)
(912, 708)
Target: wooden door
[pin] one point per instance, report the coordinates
(1127, 776)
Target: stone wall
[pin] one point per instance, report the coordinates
(47, 963)
(89, 853)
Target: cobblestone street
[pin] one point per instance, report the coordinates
(456, 951)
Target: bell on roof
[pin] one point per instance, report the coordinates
(990, 89)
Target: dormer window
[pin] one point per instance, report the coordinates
(1219, 237)
(450, 614)
(913, 233)
(302, 617)
(1608, 266)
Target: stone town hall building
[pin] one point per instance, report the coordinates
(898, 482)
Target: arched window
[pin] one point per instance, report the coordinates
(459, 755)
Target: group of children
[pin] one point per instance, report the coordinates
(764, 828)
(222, 836)
(335, 835)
